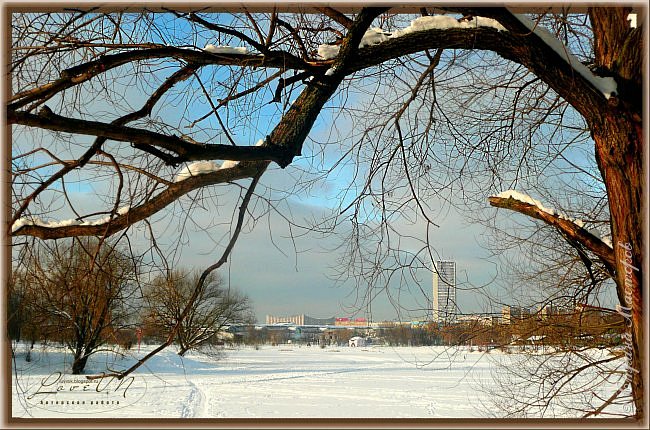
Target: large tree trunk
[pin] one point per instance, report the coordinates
(619, 152)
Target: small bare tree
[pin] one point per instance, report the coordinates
(215, 307)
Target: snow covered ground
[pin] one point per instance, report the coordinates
(284, 381)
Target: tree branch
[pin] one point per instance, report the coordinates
(336, 16)
(296, 124)
(199, 287)
(518, 48)
(179, 75)
(86, 71)
(157, 203)
(544, 62)
(568, 228)
(281, 146)
(221, 29)
(184, 150)
(519, 45)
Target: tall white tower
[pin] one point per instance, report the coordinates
(444, 291)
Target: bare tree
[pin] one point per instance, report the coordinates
(215, 308)
(78, 292)
(461, 104)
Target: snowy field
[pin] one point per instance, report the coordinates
(273, 382)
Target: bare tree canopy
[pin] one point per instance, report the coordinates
(78, 292)
(125, 122)
(214, 309)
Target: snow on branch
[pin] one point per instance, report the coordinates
(227, 164)
(107, 226)
(225, 49)
(64, 223)
(512, 194)
(606, 85)
(195, 169)
(203, 167)
(327, 52)
(443, 22)
(376, 35)
(373, 36)
(37, 221)
(571, 228)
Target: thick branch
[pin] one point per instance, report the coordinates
(201, 282)
(517, 47)
(296, 124)
(568, 228)
(184, 150)
(159, 202)
(281, 146)
(618, 50)
(86, 71)
(179, 75)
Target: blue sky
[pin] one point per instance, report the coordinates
(288, 271)
(283, 280)
(292, 276)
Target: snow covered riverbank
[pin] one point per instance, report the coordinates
(273, 382)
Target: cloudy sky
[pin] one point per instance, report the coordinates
(292, 276)
(287, 270)
(283, 268)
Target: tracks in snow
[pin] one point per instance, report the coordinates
(279, 376)
(195, 404)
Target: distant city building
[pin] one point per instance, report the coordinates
(476, 319)
(420, 323)
(351, 322)
(357, 341)
(301, 319)
(545, 311)
(389, 324)
(512, 314)
(444, 292)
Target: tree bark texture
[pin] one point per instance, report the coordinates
(619, 144)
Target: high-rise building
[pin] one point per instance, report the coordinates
(444, 292)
